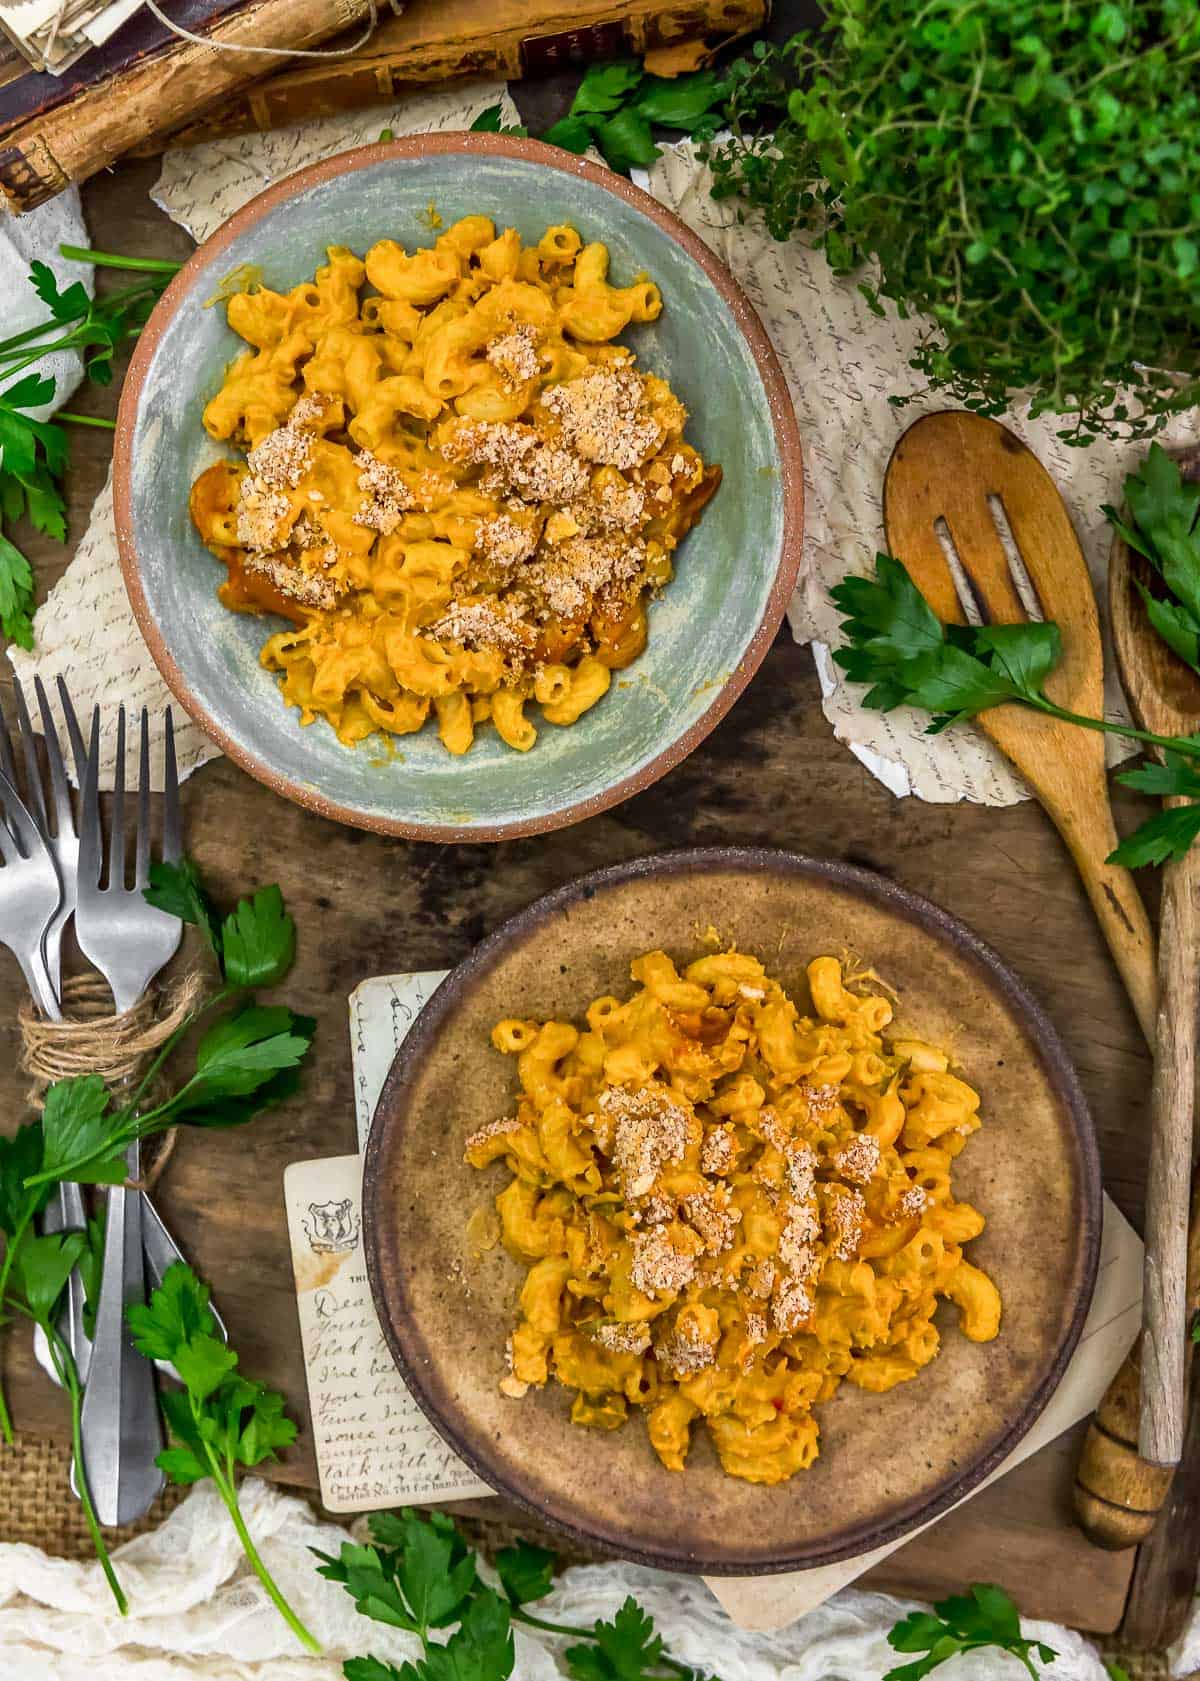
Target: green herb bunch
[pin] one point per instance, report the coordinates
(244, 1061)
(1018, 172)
(33, 453)
(421, 1576)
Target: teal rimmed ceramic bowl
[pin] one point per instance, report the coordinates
(709, 630)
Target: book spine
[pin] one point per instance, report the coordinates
(72, 142)
(373, 77)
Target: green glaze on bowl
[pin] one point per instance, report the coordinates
(708, 631)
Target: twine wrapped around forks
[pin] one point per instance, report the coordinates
(90, 1039)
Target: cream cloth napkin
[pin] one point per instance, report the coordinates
(199, 1614)
(37, 236)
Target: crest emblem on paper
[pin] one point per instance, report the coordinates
(331, 1227)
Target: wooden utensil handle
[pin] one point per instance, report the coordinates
(1164, 1289)
(1088, 831)
(1118, 1495)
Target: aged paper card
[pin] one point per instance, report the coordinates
(381, 1012)
(374, 1445)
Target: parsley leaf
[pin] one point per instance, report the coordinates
(1164, 510)
(220, 1419)
(372, 1669)
(488, 122)
(71, 305)
(526, 1572)
(1169, 833)
(78, 1128)
(573, 134)
(434, 1570)
(42, 1266)
(625, 1650)
(680, 101)
(16, 595)
(177, 889)
(626, 141)
(258, 940)
(986, 1616)
(605, 87)
(242, 1053)
(481, 1649)
(20, 1158)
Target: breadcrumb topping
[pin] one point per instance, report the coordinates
(600, 418)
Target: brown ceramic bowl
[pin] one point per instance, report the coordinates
(888, 1463)
(708, 631)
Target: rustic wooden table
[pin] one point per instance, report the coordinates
(771, 773)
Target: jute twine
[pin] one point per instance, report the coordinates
(91, 1039)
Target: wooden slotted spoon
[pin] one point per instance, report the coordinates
(1138, 1430)
(945, 468)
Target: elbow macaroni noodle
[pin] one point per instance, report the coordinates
(726, 1207)
(457, 488)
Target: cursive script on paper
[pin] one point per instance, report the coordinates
(374, 1446)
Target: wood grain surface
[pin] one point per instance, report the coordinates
(771, 773)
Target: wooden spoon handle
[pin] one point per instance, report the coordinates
(1172, 1095)
(1086, 825)
(1118, 1495)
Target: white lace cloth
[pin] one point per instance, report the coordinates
(198, 1614)
(39, 235)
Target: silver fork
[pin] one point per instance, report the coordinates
(128, 940)
(60, 836)
(65, 1210)
(30, 894)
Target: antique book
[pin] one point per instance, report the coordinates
(438, 39)
(25, 92)
(73, 140)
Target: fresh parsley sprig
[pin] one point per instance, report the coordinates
(420, 1575)
(898, 646)
(33, 1278)
(1164, 526)
(245, 1061)
(985, 1616)
(33, 453)
(218, 1420)
(616, 107)
(906, 656)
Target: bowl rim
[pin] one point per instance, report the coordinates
(462, 142)
(889, 895)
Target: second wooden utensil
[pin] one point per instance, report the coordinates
(1164, 697)
(1122, 1481)
(946, 475)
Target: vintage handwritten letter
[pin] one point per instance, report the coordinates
(374, 1445)
(381, 1012)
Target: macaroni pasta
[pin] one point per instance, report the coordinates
(726, 1207)
(457, 488)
